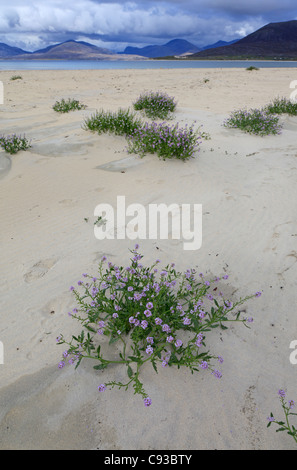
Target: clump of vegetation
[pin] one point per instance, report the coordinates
(155, 105)
(167, 141)
(149, 315)
(13, 143)
(255, 121)
(16, 77)
(64, 106)
(282, 106)
(122, 122)
(285, 425)
(252, 67)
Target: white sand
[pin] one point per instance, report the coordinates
(248, 188)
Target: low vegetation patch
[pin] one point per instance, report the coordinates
(16, 77)
(255, 121)
(121, 122)
(282, 106)
(155, 105)
(167, 141)
(64, 106)
(148, 315)
(252, 67)
(13, 143)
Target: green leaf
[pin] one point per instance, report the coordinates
(100, 366)
(129, 372)
(134, 359)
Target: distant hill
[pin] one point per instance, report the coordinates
(219, 44)
(273, 41)
(174, 47)
(9, 51)
(71, 50)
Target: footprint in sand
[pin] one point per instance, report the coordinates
(39, 270)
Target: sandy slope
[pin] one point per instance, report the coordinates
(247, 186)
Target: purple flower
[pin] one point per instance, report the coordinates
(149, 305)
(271, 419)
(220, 359)
(217, 374)
(147, 313)
(258, 294)
(166, 328)
(147, 401)
(282, 393)
(169, 339)
(149, 350)
(158, 321)
(130, 288)
(150, 340)
(71, 288)
(61, 364)
(144, 324)
(186, 321)
(178, 343)
(204, 365)
(101, 388)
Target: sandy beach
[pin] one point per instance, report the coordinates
(247, 186)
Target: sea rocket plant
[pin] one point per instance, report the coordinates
(157, 316)
(287, 407)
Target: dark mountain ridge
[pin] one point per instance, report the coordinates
(273, 41)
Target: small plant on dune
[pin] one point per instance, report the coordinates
(255, 121)
(16, 77)
(285, 425)
(13, 143)
(167, 141)
(252, 67)
(149, 315)
(282, 106)
(155, 105)
(122, 122)
(64, 106)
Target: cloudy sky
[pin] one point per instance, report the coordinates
(34, 24)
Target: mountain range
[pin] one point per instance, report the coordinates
(176, 47)
(68, 50)
(272, 41)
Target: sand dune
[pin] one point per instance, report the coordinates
(248, 191)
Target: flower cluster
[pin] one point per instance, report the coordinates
(158, 315)
(13, 143)
(155, 104)
(254, 121)
(167, 141)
